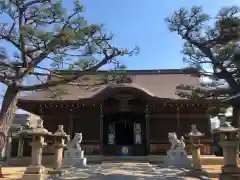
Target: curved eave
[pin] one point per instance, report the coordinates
(98, 96)
(110, 91)
(29, 105)
(33, 105)
(232, 100)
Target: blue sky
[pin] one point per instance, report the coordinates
(141, 23)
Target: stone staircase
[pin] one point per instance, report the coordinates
(143, 159)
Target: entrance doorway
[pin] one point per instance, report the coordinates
(124, 133)
(124, 129)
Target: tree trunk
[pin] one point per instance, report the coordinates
(9, 106)
(228, 77)
(236, 116)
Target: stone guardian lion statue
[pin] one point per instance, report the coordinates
(176, 144)
(75, 143)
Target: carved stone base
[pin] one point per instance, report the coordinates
(34, 177)
(177, 158)
(230, 169)
(73, 153)
(56, 172)
(79, 176)
(34, 173)
(38, 169)
(198, 173)
(74, 158)
(79, 162)
(230, 172)
(229, 177)
(82, 162)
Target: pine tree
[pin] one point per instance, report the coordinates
(44, 31)
(210, 46)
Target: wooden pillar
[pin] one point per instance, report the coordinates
(70, 129)
(147, 118)
(7, 150)
(236, 116)
(20, 147)
(101, 129)
(9, 147)
(178, 121)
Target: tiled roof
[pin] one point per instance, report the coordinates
(156, 83)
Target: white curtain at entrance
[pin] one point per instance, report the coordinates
(111, 134)
(137, 133)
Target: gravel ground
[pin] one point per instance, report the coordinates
(126, 171)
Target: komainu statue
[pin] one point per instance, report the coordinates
(75, 143)
(176, 144)
(177, 155)
(74, 155)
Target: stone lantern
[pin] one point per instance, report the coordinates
(36, 170)
(21, 136)
(59, 138)
(194, 139)
(230, 145)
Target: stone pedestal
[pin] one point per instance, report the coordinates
(58, 156)
(230, 153)
(177, 158)
(74, 158)
(196, 156)
(36, 170)
(59, 138)
(9, 148)
(20, 147)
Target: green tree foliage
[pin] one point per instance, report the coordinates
(44, 32)
(211, 46)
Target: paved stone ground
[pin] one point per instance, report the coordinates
(126, 171)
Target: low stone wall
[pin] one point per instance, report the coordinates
(156, 159)
(48, 160)
(25, 161)
(205, 159)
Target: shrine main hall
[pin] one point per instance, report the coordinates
(137, 110)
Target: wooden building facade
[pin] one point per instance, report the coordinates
(137, 113)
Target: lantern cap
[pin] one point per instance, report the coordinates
(60, 132)
(194, 132)
(38, 130)
(225, 126)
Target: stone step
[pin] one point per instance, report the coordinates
(119, 159)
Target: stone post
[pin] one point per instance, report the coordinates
(194, 139)
(20, 147)
(36, 171)
(9, 148)
(59, 138)
(196, 156)
(230, 145)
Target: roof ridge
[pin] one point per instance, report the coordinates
(133, 71)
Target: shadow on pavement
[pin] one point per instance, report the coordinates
(133, 177)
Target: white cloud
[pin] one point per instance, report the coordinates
(215, 122)
(205, 79)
